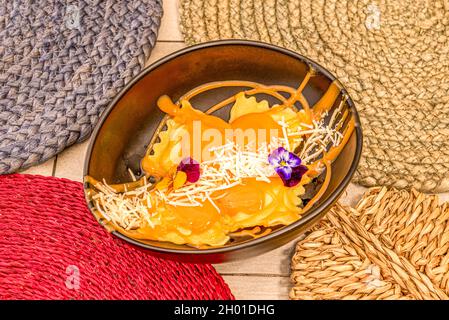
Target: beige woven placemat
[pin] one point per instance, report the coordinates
(393, 245)
(392, 55)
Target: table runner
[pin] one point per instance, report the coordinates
(51, 247)
(392, 245)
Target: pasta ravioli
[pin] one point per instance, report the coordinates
(220, 179)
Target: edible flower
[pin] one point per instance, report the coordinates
(188, 170)
(191, 168)
(288, 166)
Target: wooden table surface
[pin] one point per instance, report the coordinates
(263, 277)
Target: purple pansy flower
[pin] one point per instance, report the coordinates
(191, 169)
(288, 166)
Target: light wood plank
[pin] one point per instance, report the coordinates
(70, 162)
(169, 29)
(275, 262)
(352, 195)
(44, 169)
(444, 197)
(162, 49)
(258, 287)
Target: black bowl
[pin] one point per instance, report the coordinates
(121, 137)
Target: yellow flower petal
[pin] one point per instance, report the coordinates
(180, 179)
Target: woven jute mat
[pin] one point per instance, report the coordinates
(51, 247)
(390, 54)
(392, 245)
(61, 63)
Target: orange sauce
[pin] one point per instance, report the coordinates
(298, 96)
(327, 100)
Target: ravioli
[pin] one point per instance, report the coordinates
(249, 203)
(236, 190)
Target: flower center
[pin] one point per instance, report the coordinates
(283, 163)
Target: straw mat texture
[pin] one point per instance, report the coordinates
(390, 54)
(61, 63)
(393, 245)
(51, 247)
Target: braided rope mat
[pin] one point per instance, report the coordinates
(393, 245)
(61, 62)
(390, 54)
(51, 247)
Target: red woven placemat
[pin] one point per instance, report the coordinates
(52, 248)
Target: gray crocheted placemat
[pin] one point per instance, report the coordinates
(61, 62)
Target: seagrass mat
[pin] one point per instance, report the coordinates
(390, 54)
(61, 63)
(392, 245)
(51, 247)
